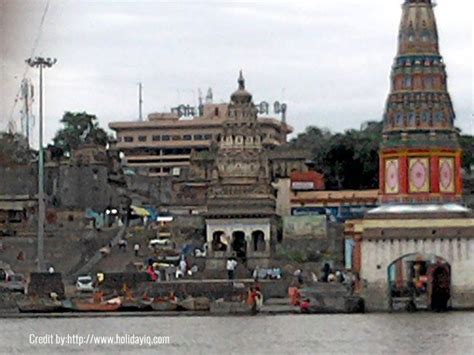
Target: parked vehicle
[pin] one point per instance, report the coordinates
(85, 284)
(14, 283)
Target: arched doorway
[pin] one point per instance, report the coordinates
(419, 281)
(239, 245)
(219, 241)
(258, 241)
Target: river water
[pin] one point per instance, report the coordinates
(446, 333)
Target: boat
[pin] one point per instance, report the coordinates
(195, 304)
(39, 306)
(81, 306)
(227, 307)
(164, 306)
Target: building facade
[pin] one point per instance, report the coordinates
(164, 144)
(241, 200)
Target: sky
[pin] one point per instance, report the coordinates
(328, 60)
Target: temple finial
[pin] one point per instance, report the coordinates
(241, 81)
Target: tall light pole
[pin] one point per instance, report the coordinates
(39, 62)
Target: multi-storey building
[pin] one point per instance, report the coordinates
(163, 144)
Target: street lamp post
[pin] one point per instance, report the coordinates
(39, 62)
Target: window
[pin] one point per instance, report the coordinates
(142, 138)
(412, 119)
(176, 138)
(156, 138)
(187, 137)
(198, 137)
(208, 136)
(128, 139)
(119, 139)
(216, 111)
(165, 138)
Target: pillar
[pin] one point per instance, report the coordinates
(403, 174)
(434, 167)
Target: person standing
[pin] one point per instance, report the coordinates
(136, 248)
(231, 265)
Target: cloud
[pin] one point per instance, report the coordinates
(330, 60)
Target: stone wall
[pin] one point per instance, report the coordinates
(83, 187)
(116, 280)
(19, 180)
(191, 227)
(43, 284)
(65, 186)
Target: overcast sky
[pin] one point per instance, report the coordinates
(328, 59)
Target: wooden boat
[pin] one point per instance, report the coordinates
(39, 306)
(81, 306)
(195, 304)
(164, 306)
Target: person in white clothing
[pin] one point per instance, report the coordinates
(231, 265)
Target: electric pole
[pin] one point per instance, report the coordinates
(39, 62)
(140, 102)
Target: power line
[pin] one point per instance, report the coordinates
(32, 53)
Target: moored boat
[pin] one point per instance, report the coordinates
(81, 306)
(39, 306)
(164, 306)
(195, 304)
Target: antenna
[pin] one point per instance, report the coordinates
(140, 102)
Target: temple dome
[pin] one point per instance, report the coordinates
(241, 96)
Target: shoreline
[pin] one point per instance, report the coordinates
(19, 315)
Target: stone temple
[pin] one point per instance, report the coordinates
(417, 249)
(241, 216)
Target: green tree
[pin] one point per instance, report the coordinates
(467, 145)
(79, 128)
(348, 160)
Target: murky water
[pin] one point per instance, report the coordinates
(447, 333)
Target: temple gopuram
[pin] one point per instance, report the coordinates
(240, 220)
(416, 251)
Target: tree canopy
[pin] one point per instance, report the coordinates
(79, 128)
(348, 160)
(467, 145)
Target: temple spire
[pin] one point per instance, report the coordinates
(241, 81)
(420, 152)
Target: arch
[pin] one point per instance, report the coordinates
(419, 280)
(217, 243)
(239, 244)
(258, 240)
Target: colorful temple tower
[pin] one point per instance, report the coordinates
(420, 157)
(416, 250)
